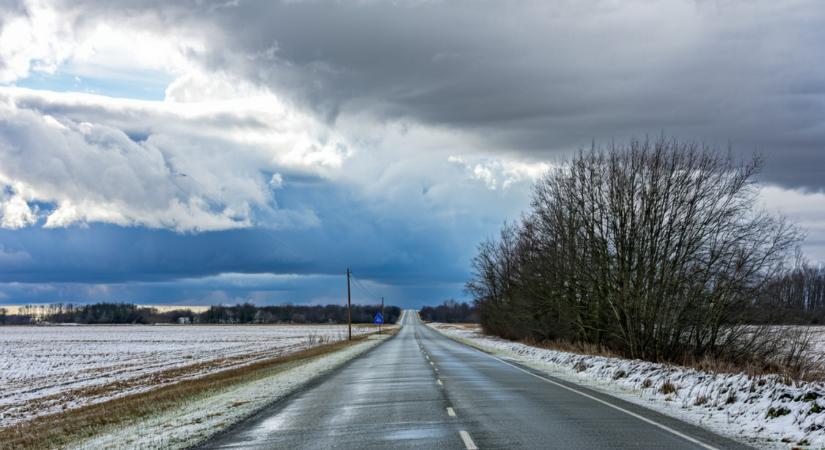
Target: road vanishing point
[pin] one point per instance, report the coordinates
(422, 390)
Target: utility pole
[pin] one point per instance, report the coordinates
(349, 307)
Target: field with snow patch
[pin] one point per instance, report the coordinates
(764, 411)
(47, 369)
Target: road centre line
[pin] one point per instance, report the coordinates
(468, 441)
(450, 412)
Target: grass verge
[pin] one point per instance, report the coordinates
(60, 429)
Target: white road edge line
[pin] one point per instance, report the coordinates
(606, 403)
(468, 441)
(450, 412)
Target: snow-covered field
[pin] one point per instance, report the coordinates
(46, 369)
(763, 411)
(202, 417)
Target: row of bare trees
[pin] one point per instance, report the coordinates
(449, 311)
(654, 250)
(796, 297)
(128, 313)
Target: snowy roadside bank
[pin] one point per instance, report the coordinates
(199, 418)
(761, 411)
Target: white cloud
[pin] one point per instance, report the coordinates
(190, 166)
(39, 39)
(108, 51)
(500, 172)
(15, 212)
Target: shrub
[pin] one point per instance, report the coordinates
(777, 412)
(668, 388)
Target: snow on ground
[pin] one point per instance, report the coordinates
(200, 418)
(761, 411)
(45, 369)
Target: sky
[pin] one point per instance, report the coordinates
(200, 152)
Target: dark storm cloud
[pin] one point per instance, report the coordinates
(535, 78)
(540, 77)
(379, 248)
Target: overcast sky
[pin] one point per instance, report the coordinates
(212, 152)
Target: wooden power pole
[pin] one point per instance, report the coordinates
(349, 307)
(382, 315)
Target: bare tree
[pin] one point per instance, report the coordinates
(652, 249)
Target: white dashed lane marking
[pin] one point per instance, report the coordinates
(468, 441)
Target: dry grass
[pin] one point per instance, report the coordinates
(668, 388)
(813, 371)
(809, 370)
(59, 429)
(571, 347)
(701, 400)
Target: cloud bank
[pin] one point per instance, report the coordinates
(165, 142)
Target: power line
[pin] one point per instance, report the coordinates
(369, 292)
(362, 288)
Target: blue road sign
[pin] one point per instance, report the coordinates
(379, 319)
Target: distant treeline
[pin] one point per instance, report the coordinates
(450, 312)
(246, 313)
(794, 297)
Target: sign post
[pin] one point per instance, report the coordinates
(379, 319)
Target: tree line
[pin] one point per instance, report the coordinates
(246, 313)
(249, 313)
(654, 250)
(450, 311)
(797, 296)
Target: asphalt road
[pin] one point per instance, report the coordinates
(422, 390)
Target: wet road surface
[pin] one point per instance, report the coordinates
(422, 390)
